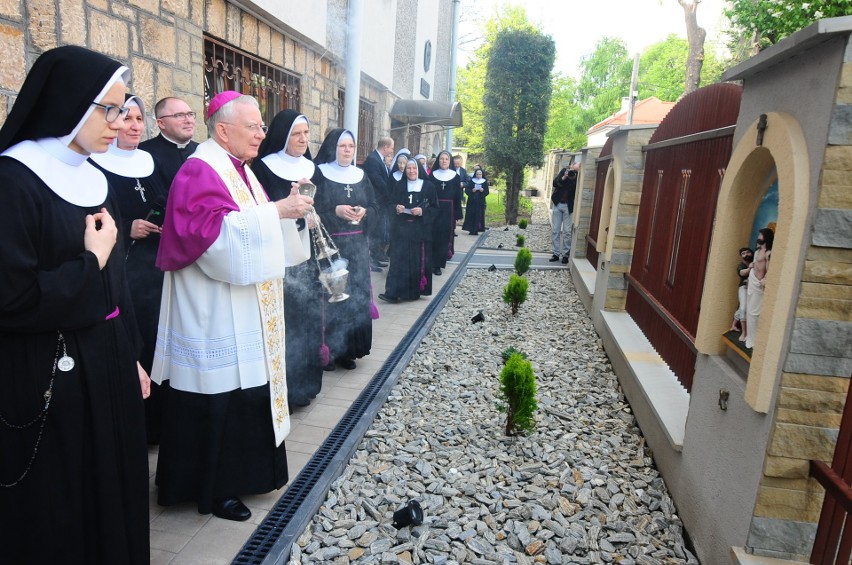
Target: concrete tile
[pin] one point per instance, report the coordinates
(261, 503)
(180, 519)
(160, 557)
(343, 393)
(299, 447)
(216, 543)
(342, 405)
(305, 433)
(323, 415)
(355, 381)
(168, 541)
(295, 462)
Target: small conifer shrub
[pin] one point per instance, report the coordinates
(515, 293)
(523, 260)
(506, 353)
(519, 241)
(517, 395)
(523, 224)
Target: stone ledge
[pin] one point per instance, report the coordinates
(588, 274)
(663, 393)
(739, 556)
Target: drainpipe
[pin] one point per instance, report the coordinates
(454, 44)
(352, 97)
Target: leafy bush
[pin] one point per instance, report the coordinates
(523, 260)
(520, 241)
(523, 224)
(517, 395)
(509, 351)
(515, 293)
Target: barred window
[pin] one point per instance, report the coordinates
(228, 68)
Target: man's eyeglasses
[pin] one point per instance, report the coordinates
(180, 116)
(112, 113)
(252, 127)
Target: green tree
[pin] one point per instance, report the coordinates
(470, 82)
(517, 100)
(605, 78)
(662, 69)
(756, 24)
(565, 126)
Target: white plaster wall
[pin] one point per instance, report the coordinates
(378, 40)
(308, 22)
(427, 29)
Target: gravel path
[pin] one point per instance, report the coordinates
(536, 235)
(581, 489)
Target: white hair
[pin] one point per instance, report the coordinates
(226, 112)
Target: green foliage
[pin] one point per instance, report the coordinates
(470, 82)
(523, 224)
(520, 240)
(605, 79)
(523, 260)
(517, 395)
(506, 353)
(565, 126)
(662, 69)
(760, 23)
(515, 293)
(517, 99)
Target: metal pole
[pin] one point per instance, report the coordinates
(352, 97)
(454, 45)
(634, 85)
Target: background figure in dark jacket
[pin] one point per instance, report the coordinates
(564, 189)
(378, 172)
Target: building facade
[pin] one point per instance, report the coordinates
(288, 54)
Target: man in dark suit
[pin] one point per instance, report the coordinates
(174, 145)
(465, 180)
(378, 172)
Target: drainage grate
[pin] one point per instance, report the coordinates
(271, 541)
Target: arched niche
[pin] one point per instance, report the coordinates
(784, 151)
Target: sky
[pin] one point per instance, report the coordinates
(577, 26)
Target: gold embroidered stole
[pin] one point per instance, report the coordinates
(270, 294)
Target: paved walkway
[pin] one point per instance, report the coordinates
(182, 536)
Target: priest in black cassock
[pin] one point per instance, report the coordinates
(173, 146)
(283, 159)
(141, 199)
(74, 466)
(415, 209)
(448, 186)
(346, 206)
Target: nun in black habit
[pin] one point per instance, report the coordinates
(415, 209)
(448, 186)
(283, 159)
(141, 198)
(346, 207)
(74, 465)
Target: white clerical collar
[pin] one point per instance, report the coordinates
(134, 163)
(415, 185)
(289, 167)
(343, 175)
(65, 171)
(180, 145)
(444, 174)
(478, 181)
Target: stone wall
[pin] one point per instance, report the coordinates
(583, 206)
(816, 374)
(628, 193)
(162, 42)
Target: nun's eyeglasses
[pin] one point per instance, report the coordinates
(112, 113)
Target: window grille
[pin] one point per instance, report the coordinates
(228, 68)
(366, 124)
